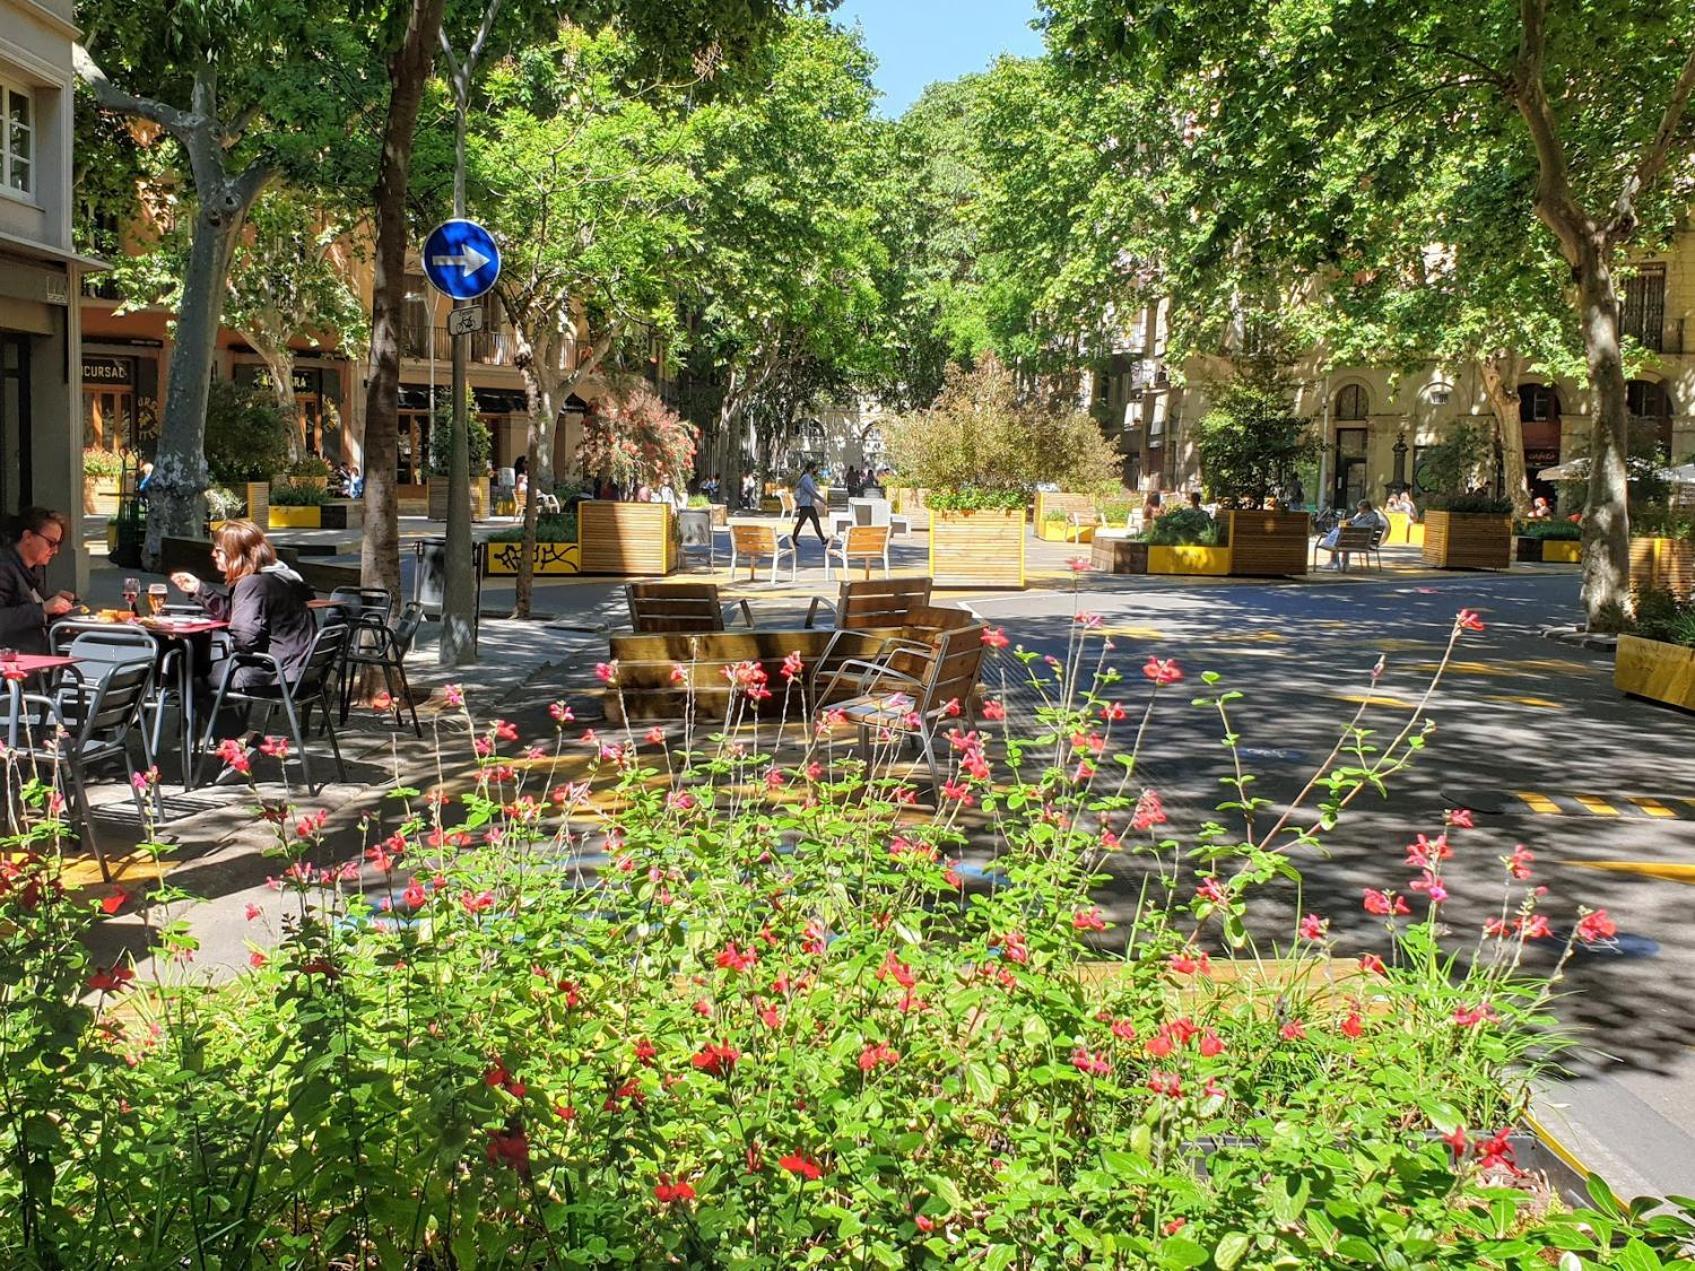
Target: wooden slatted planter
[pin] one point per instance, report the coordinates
(1468, 540)
(625, 538)
(437, 497)
(1118, 554)
(1064, 504)
(981, 548)
(259, 503)
(1663, 562)
(1268, 544)
(1655, 670)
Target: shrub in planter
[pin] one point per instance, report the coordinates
(744, 1013)
(550, 528)
(1183, 527)
(223, 503)
(1549, 531)
(299, 492)
(101, 464)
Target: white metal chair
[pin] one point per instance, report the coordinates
(758, 541)
(865, 543)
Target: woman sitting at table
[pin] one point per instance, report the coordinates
(265, 605)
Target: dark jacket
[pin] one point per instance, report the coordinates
(23, 622)
(267, 613)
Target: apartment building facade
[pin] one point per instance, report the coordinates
(40, 272)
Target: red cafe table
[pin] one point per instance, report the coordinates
(16, 670)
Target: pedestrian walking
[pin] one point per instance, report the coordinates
(807, 501)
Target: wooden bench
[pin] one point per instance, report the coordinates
(873, 602)
(680, 608)
(1352, 538)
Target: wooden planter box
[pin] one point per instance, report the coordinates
(1186, 559)
(646, 691)
(503, 559)
(291, 517)
(257, 495)
(625, 538)
(411, 500)
(1113, 554)
(99, 496)
(720, 515)
(1468, 540)
(908, 500)
(1268, 544)
(1561, 551)
(437, 497)
(1065, 504)
(1658, 671)
(343, 514)
(1663, 562)
(984, 548)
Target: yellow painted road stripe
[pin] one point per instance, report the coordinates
(1375, 699)
(1670, 871)
(1556, 1147)
(1538, 703)
(1540, 802)
(1600, 807)
(1653, 807)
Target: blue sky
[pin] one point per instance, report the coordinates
(917, 42)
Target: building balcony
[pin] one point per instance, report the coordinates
(488, 348)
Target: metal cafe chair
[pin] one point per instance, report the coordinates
(98, 715)
(694, 532)
(297, 699)
(387, 648)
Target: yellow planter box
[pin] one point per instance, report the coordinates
(1652, 669)
(982, 548)
(284, 517)
(551, 558)
(1064, 532)
(1188, 560)
(1564, 551)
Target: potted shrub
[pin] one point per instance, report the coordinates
(1187, 541)
(222, 504)
(1657, 660)
(1662, 549)
(978, 453)
(297, 504)
(1465, 525)
(481, 444)
(1548, 541)
(101, 470)
(556, 547)
(720, 511)
(634, 442)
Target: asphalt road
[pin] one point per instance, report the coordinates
(1531, 736)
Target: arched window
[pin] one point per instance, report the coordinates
(1352, 402)
(1537, 403)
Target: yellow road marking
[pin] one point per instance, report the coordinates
(1539, 703)
(1600, 807)
(1403, 646)
(1540, 802)
(1671, 871)
(1653, 807)
(1556, 1147)
(1375, 699)
(1140, 633)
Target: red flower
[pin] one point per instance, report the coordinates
(734, 959)
(1089, 1063)
(510, 1148)
(1294, 1030)
(1351, 1026)
(995, 637)
(1596, 926)
(1077, 564)
(275, 747)
(1165, 1083)
(1372, 963)
(1149, 811)
(1162, 671)
(1467, 620)
(993, 711)
(793, 666)
(1014, 948)
(877, 1055)
(893, 966)
(798, 1164)
(1088, 920)
(1175, 1225)
(479, 903)
(116, 901)
(1457, 1140)
(111, 979)
(924, 1223)
(1384, 904)
(1471, 1016)
(716, 1058)
(669, 1193)
(1190, 963)
(1212, 1045)
(1518, 864)
(645, 1052)
(1313, 927)
(1495, 1150)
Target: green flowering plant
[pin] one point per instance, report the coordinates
(639, 997)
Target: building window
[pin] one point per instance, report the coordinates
(1642, 308)
(1537, 403)
(1649, 407)
(1352, 402)
(19, 141)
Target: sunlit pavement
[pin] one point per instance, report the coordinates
(1530, 735)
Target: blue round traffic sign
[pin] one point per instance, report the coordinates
(461, 259)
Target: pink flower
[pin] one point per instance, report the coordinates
(878, 1055)
(252, 911)
(1087, 620)
(1460, 818)
(1013, 946)
(234, 755)
(1165, 1083)
(1088, 920)
(1471, 1016)
(1212, 1045)
(1089, 1063)
(561, 713)
(1211, 889)
(793, 666)
(1384, 904)
(993, 710)
(957, 791)
(995, 637)
(1370, 962)
(1467, 620)
(680, 801)
(1113, 713)
(679, 673)
(382, 701)
(733, 959)
(1294, 1030)
(479, 903)
(1149, 811)
(1077, 564)
(1162, 671)
(1518, 864)
(454, 693)
(1313, 927)
(1596, 926)
(1190, 964)
(606, 672)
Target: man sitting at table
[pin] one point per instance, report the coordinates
(25, 606)
(265, 606)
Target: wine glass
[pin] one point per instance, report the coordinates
(132, 589)
(156, 597)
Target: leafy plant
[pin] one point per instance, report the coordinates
(975, 499)
(1661, 520)
(550, 528)
(1660, 615)
(99, 462)
(246, 436)
(222, 503)
(1555, 531)
(635, 439)
(1183, 527)
(299, 493)
(1456, 472)
(479, 441)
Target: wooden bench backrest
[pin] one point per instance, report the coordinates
(939, 617)
(661, 608)
(880, 602)
(1355, 537)
(1070, 504)
(754, 540)
(954, 667)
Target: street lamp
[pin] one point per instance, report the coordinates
(1401, 461)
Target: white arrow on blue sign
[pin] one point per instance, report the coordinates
(461, 259)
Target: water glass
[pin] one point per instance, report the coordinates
(157, 594)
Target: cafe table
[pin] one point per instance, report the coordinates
(18, 669)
